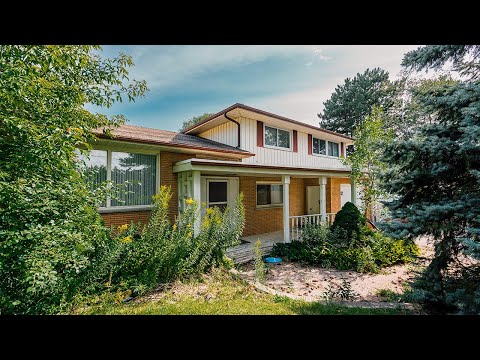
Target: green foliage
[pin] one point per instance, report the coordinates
(367, 252)
(344, 292)
(51, 236)
(350, 220)
(355, 99)
(194, 120)
(366, 159)
(260, 269)
(164, 252)
(435, 176)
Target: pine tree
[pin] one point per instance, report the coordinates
(435, 177)
(351, 102)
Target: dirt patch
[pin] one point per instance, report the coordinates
(311, 282)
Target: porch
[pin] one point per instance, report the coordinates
(278, 202)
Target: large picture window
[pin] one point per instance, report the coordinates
(269, 195)
(137, 171)
(277, 137)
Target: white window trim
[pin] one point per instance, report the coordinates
(268, 206)
(326, 149)
(124, 208)
(208, 192)
(277, 147)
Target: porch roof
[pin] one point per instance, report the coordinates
(239, 168)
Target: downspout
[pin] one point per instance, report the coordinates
(238, 127)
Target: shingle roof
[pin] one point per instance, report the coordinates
(263, 112)
(168, 138)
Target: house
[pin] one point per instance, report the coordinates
(289, 172)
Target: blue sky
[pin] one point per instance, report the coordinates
(293, 81)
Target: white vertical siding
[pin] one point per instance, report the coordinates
(268, 156)
(226, 134)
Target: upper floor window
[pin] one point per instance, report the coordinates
(137, 172)
(333, 149)
(325, 147)
(319, 147)
(275, 137)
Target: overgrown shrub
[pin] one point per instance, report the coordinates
(165, 252)
(350, 219)
(369, 252)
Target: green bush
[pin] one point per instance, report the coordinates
(369, 252)
(165, 252)
(349, 219)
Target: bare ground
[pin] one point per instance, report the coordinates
(311, 282)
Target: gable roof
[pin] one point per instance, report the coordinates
(262, 112)
(140, 134)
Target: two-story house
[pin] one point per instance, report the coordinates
(289, 172)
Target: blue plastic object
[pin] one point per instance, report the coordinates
(273, 260)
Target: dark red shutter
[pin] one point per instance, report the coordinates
(295, 142)
(259, 133)
(342, 150)
(310, 144)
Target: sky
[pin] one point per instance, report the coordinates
(291, 80)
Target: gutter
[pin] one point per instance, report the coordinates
(238, 127)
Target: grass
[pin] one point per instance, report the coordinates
(221, 293)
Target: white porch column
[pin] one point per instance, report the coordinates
(286, 208)
(197, 198)
(322, 181)
(353, 192)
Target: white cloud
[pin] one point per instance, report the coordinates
(166, 66)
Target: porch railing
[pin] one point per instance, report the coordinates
(297, 223)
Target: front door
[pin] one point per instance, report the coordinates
(313, 200)
(345, 194)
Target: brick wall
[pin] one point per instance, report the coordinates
(120, 218)
(334, 194)
(264, 220)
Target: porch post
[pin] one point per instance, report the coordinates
(286, 208)
(196, 197)
(353, 192)
(322, 181)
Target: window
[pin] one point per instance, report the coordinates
(333, 149)
(94, 168)
(324, 147)
(277, 137)
(217, 194)
(319, 147)
(138, 171)
(269, 195)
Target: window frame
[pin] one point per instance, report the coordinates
(125, 208)
(267, 205)
(326, 148)
(208, 192)
(277, 147)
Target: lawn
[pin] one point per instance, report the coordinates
(221, 293)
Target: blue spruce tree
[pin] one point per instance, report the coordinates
(435, 175)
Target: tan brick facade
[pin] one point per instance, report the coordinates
(333, 193)
(263, 220)
(120, 218)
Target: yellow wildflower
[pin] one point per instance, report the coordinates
(123, 227)
(126, 239)
(210, 211)
(189, 201)
(189, 234)
(174, 226)
(189, 225)
(219, 221)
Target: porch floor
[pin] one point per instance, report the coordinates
(245, 252)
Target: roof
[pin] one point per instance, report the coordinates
(249, 108)
(224, 163)
(145, 135)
